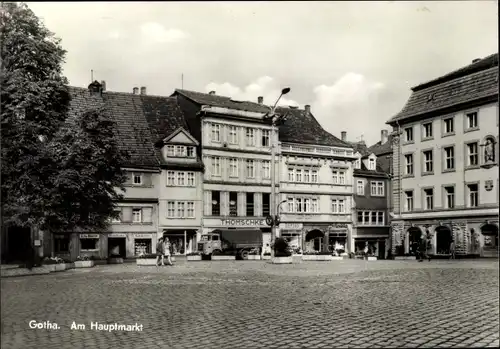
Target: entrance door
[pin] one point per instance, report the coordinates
(18, 243)
(490, 238)
(443, 240)
(117, 247)
(381, 249)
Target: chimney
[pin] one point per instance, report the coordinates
(143, 90)
(476, 60)
(307, 108)
(211, 93)
(344, 136)
(260, 99)
(136, 90)
(384, 136)
(103, 85)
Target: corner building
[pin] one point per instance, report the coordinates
(445, 160)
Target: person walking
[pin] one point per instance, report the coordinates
(452, 249)
(160, 252)
(167, 251)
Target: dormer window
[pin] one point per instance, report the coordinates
(170, 150)
(190, 152)
(180, 151)
(371, 164)
(137, 179)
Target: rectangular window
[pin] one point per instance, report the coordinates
(190, 176)
(473, 195)
(341, 206)
(429, 199)
(170, 209)
(360, 187)
(449, 158)
(449, 126)
(427, 128)
(472, 154)
(298, 175)
(216, 203)
(471, 120)
(409, 164)
(314, 206)
(118, 218)
(341, 177)
(314, 176)
(233, 135)
(449, 196)
(299, 205)
(291, 175)
(409, 200)
(180, 151)
(170, 178)
(137, 178)
(371, 164)
(307, 205)
(409, 134)
(360, 217)
(216, 166)
(250, 205)
(90, 244)
(233, 167)
(377, 188)
(170, 150)
(366, 217)
(250, 139)
(335, 174)
(335, 206)
(136, 215)
(290, 204)
(190, 209)
(307, 176)
(266, 169)
(181, 180)
(266, 204)
(250, 169)
(373, 218)
(266, 138)
(380, 218)
(181, 209)
(233, 203)
(428, 163)
(215, 133)
(190, 152)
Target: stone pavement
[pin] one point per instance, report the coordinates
(254, 304)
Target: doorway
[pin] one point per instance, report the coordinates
(490, 237)
(443, 240)
(381, 249)
(117, 247)
(18, 244)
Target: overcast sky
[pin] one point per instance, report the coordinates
(353, 62)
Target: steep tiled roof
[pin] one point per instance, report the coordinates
(363, 171)
(222, 101)
(379, 149)
(473, 82)
(360, 147)
(303, 128)
(163, 115)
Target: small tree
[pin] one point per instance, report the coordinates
(281, 247)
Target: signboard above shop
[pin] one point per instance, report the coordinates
(89, 236)
(243, 222)
(291, 226)
(337, 226)
(117, 235)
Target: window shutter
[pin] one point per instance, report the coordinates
(148, 180)
(147, 214)
(129, 178)
(127, 214)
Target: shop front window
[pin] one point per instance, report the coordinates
(142, 246)
(89, 244)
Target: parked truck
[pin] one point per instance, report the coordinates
(237, 241)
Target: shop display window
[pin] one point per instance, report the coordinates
(89, 244)
(142, 246)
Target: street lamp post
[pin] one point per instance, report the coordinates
(273, 207)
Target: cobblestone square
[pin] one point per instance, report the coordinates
(254, 304)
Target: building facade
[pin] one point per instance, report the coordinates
(371, 220)
(235, 139)
(315, 184)
(134, 232)
(446, 163)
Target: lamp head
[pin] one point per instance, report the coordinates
(285, 90)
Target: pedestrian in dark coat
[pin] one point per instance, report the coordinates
(160, 252)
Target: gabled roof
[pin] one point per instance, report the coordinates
(303, 128)
(299, 127)
(131, 130)
(181, 130)
(222, 101)
(477, 81)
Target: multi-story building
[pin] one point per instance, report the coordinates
(446, 163)
(370, 192)
(135, 230)
(315, 171)
(235, 139)
(181, 179)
